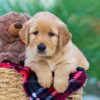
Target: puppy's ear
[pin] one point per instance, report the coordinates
(64, 35)
(24, 33)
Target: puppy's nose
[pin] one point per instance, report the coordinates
(41, 47)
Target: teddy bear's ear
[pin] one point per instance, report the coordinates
(15, 28)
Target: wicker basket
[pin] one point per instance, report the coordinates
(76, 95)
(11, 86)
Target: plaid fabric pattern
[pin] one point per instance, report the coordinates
(36, 92)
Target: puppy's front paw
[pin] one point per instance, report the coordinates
(45, 79)
(61, 83)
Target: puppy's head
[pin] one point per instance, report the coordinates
(45, 33)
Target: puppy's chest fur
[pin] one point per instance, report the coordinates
(52, 65)
(59, 60)
(53, 62)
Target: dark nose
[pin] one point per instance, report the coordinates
(41, 47)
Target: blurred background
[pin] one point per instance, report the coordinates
(83, 20)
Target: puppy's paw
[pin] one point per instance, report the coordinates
(61, 84)
(45, 80)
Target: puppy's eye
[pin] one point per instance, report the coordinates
(51, 34)
(35, 33)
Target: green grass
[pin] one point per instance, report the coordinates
(81, 16)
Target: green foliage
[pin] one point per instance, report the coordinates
(81, 16)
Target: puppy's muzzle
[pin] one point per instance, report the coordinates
(41, 48)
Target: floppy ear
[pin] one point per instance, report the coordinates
(24, 33)
(64, 35)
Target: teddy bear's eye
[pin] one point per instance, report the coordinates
(35, 33)
(51, 34)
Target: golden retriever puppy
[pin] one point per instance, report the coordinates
(49, 49)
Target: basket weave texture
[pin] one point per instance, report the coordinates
(11, 86)
(76, 95)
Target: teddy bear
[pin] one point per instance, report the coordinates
(11, 47)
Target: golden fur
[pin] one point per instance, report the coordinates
(61, 55)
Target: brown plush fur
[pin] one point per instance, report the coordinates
(11, 47)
